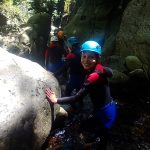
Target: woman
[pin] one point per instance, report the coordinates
(97, 86)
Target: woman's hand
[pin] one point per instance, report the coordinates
(50, 95)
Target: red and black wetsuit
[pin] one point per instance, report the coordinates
(97, 86)
(53, 53)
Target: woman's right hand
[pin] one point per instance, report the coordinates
(50, 95)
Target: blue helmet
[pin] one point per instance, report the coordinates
(73, 40)
(91, 46)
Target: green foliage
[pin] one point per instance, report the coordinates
(26, 8)
(44, 6)
(18, 2)
(55, 8)
(6, 1)
(58, 12)
(60, 6)
(13, 13)
(14, 2)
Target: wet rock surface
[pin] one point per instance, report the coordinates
(131, 131)
(25, 115)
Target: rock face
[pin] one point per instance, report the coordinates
(98, 20)
(39, 33)
(25, 114)
(3, 20)
(133, 37)
(90, 21)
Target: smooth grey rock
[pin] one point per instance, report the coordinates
(25, 114)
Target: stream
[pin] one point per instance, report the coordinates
(131, 131)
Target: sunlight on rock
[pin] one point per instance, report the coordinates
(24, 111)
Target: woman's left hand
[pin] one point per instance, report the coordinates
(50, 95)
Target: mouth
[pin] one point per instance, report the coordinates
(86, 66)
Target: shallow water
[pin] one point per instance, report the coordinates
(131, 131)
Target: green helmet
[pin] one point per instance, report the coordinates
(91, 46)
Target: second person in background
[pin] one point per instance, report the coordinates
(75, 71)
(53, 55)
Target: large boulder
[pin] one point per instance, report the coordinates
(25, 114)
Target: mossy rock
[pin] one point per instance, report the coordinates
(42, 23)
(118, 77)
(132, 63)
(40, 18)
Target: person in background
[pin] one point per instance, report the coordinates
(62, 41)
(53, 55)
(76, 73)
(97, 86)
(73, 68)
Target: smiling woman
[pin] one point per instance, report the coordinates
(97, 86)
(90, 54)
(89, 60)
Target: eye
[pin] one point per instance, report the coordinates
(91, 57)
(83, 56)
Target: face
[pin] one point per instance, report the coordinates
(88, 60)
